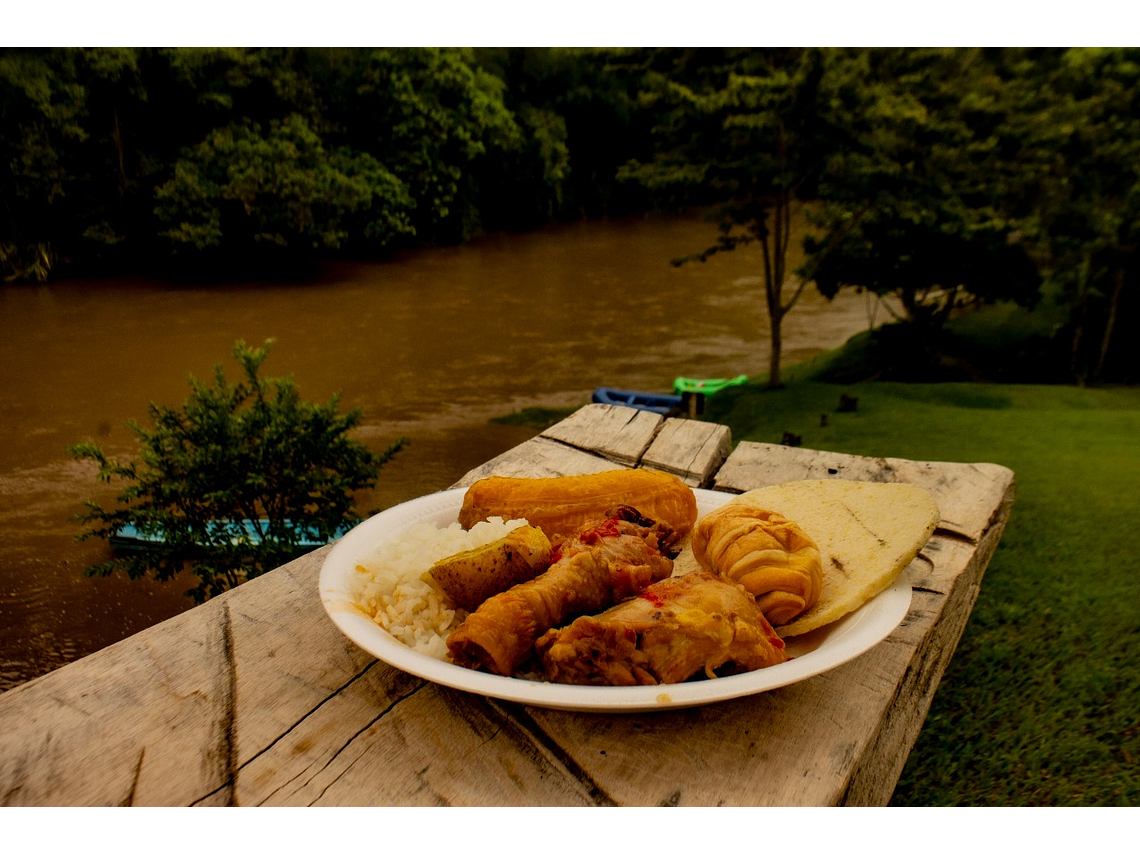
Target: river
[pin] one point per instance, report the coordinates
(431, 345)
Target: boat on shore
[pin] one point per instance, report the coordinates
(664, 403)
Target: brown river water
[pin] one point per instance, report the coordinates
(431, 345)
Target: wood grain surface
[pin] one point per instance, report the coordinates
(255, 698)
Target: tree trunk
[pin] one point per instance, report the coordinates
(117, 138)
(774, 352)
(1106, 339)
(1078, 314)
(775, 245)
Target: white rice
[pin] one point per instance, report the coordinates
(391, 584)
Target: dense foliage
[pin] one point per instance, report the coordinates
(215, 156)
(942, 177)
(235, 457)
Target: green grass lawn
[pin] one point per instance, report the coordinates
(1041, 702)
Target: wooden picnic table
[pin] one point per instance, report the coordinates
(256, 698)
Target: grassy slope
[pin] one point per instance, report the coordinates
(1041, 703)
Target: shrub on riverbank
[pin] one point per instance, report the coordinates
(242, 478)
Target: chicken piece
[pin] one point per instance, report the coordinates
(677, 628)
(607, 561)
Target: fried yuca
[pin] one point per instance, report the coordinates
(562, 505)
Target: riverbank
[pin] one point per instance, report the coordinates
(1039, 705)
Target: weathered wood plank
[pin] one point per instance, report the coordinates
(139, 722)
(428, 746)
(845, 734)
(840, 738)
(964, 491)
(257, 699)
(539, 458)
(691, 450)
(928, 640)
(162, 718)
(620, 434)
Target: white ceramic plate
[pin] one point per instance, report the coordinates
(812, 653)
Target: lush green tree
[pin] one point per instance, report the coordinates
(263, 167)
(1005, 174)
(1087, 139)
(577, 111)
(127, 157)
(85, 137)
(235, 454)
(76, 155)
(212, 86)
(240, 149)
(933, 175)
(920, 208)
(245, 186)
(431, 116)
(751, 132)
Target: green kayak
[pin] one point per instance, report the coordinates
(708, 387)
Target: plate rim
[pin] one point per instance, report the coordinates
(857, 632)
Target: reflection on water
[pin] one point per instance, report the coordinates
(430, 345)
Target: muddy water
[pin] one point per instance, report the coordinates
(431, 345)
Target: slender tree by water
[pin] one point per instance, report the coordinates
(750, 132)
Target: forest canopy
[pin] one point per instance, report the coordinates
(939, 176)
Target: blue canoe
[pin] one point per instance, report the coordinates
(131, 537)
(663, 403)
(655, 403)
